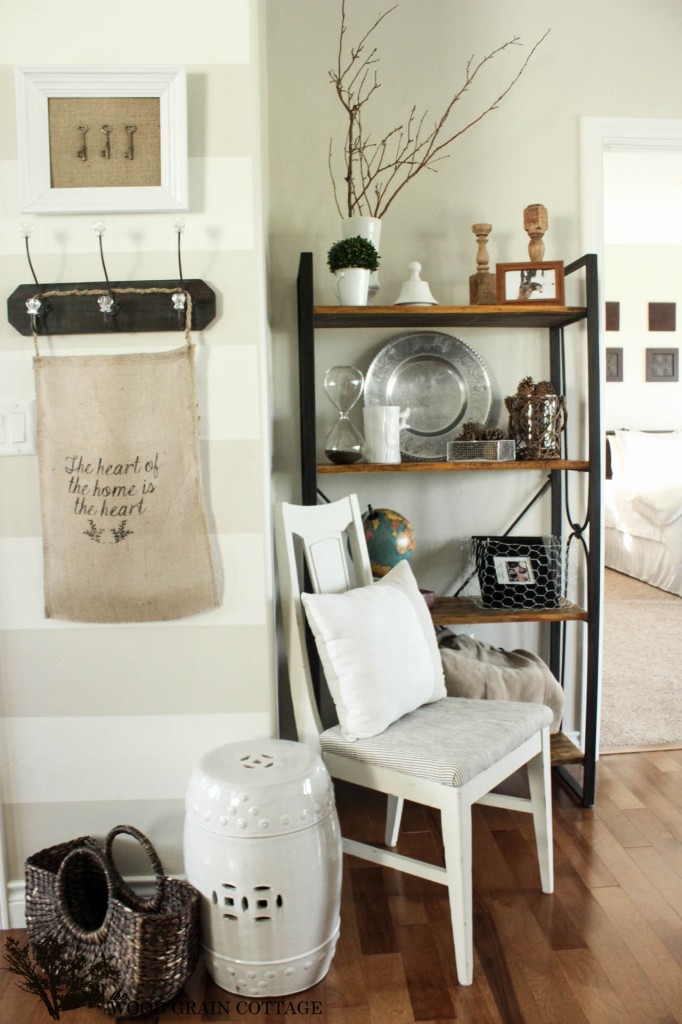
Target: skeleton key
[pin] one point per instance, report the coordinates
(106, 152)
(82, 153)
(129, 153)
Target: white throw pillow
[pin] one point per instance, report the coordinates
(378, 650)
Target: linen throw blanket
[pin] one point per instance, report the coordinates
(125, 536)
(474, 669)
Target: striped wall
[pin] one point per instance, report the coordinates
(102, 723)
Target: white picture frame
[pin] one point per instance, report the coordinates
(36, 85)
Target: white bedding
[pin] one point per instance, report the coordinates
(643, 508)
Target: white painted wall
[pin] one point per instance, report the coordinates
(636, 275)
(102, 724)
(186, 685)
(609, 59)
(631, 213)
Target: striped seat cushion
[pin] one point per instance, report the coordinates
(450, 741)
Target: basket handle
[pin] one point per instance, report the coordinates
(97, 935)
(134, 901)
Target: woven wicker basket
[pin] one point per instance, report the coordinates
(76, 895)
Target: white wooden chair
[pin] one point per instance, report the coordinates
(448, 754)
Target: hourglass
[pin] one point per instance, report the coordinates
(343, 386)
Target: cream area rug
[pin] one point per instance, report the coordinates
(641, 687)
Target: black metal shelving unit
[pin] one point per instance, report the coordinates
(582, 533)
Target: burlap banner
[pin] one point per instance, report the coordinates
(125, 536)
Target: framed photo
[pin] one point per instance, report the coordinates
(519, 572)
(614, 365)
(102, 139)
(515, 571)
(662, 364)
(530, 283)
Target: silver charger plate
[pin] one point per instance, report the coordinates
(442, 382)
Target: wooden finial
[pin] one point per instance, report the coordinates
(482, 284)
(482, 259)
(536, 222)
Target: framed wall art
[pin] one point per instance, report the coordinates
(612, 316)
(614, 365)
(530, 283)
(662, 364)
(662, 316)
(102, 139)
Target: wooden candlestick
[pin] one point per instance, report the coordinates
(536, 222)
(482, 231)
(482, 285)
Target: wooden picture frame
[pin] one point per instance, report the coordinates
(662, 365)
(614, 365)
(166, 85)
(530, 284)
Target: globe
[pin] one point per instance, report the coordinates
(390, 538)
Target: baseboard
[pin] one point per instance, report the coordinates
(143, 885)
(641, 748)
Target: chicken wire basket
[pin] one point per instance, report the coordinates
(481, 451)
(517, 573)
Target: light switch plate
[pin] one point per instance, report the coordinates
(17, 427)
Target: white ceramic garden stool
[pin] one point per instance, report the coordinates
(263, 847)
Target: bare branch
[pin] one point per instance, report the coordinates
(376, 172)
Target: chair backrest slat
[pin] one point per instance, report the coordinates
(328, 565)
(332, 542)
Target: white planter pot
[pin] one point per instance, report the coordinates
(369, 228)
(352, 286)
(366, 227)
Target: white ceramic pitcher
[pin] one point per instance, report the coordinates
(383, 424)
(352, 286)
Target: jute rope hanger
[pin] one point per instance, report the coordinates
(119, 291)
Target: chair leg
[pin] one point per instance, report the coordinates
(540, 784)
(456, 825)
(394, 813)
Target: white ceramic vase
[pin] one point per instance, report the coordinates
(369, 228)
(352, 286)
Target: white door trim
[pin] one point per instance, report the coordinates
(598, 134)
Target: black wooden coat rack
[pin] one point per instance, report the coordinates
(136, 307)
(97, 307)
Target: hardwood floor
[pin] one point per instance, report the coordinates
(606, 948)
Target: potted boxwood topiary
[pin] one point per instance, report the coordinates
(352, 260)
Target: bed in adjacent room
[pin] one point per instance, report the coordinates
(643, 507)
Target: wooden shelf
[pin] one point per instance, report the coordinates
(427, 317)
(564, 751)
(459, 610)
(498, 320)
(449, 467)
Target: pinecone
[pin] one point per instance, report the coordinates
(471, 432)
(495, 434)
(544, 387)
(526, 386)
